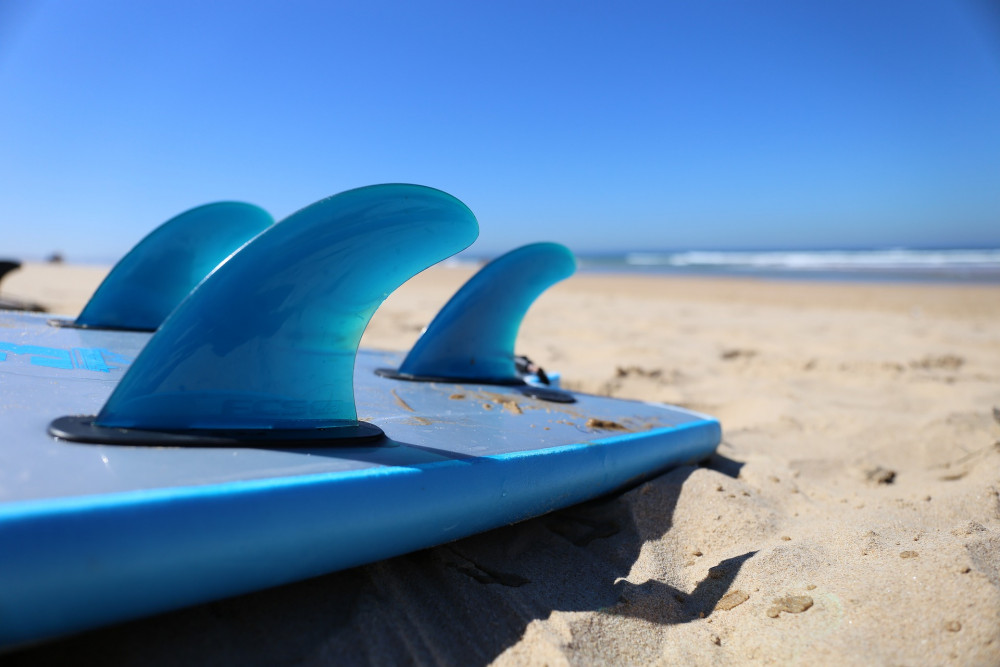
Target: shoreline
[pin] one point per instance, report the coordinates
(870, 277)
(69, 285)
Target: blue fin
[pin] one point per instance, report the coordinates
(162, 269)
(472, 337)
(268, 340)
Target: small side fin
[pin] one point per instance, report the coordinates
(472, 337)
(162, 269)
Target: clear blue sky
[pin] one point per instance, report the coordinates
(604, 126)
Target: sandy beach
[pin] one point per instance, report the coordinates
(851, 515)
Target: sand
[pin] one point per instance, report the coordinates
(851, 516)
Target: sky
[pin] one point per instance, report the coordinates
(605, 126)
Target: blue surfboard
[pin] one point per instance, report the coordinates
(242, 441)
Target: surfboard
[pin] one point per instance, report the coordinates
(238, 439)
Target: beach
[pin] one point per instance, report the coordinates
(850, 516)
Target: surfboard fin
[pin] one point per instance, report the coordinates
(472, 338)
(263, 350)
(162, 269)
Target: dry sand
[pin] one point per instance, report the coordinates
(851, 515)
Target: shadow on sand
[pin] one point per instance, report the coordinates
(460, 603)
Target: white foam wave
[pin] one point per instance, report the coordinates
(824, 259)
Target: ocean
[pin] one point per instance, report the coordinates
(949, 265)
(981, 265)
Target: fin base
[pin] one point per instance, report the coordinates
(529, 390)
(83, 429)
(73, 324)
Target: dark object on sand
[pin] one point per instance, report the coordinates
(8, 265)
(6, 303)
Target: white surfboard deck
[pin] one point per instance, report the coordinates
(92, 534)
